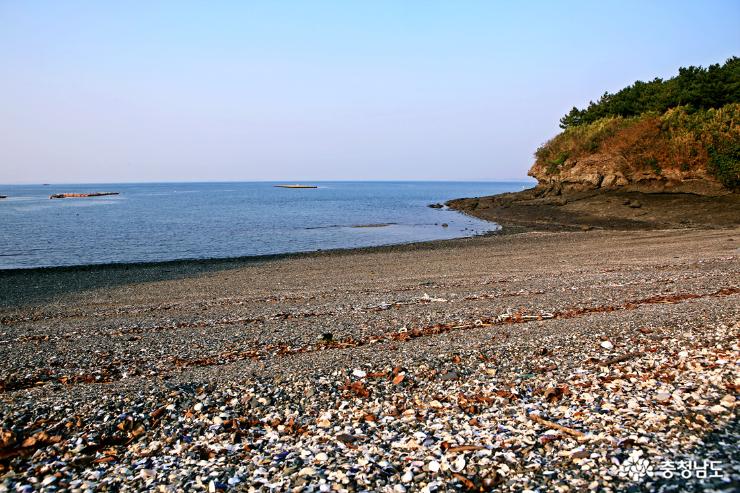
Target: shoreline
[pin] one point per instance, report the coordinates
(513, 213)
(527, 207)
(247, 259)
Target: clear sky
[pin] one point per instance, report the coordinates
(317, 90)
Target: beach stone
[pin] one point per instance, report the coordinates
(48, 480)
(450, 375)
(663, 397)
(580, 454)
(346, 438)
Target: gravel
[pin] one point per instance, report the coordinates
(539, 361)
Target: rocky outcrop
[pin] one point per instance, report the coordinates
(80, 195)
(609, 171)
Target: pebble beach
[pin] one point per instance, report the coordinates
(541, 361)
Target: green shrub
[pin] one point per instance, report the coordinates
(652, 163)
(724, 163)
(553, 165)
(715, 132)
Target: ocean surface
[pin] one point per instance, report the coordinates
(168, 221)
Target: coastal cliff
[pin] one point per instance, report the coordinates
(658, 154)
(678, 151)
(676, 135)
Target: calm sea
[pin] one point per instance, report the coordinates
(168, 221)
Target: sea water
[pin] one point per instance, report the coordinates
(168, 221)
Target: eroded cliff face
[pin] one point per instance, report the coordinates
(679, 151)
(612, 171)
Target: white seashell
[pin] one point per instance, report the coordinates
(458, 464)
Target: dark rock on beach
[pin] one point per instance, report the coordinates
(541, 209)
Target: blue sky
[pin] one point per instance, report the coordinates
(318, 90)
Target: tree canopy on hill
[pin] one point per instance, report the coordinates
(695, 88)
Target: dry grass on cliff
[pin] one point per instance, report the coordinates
(689, 143)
